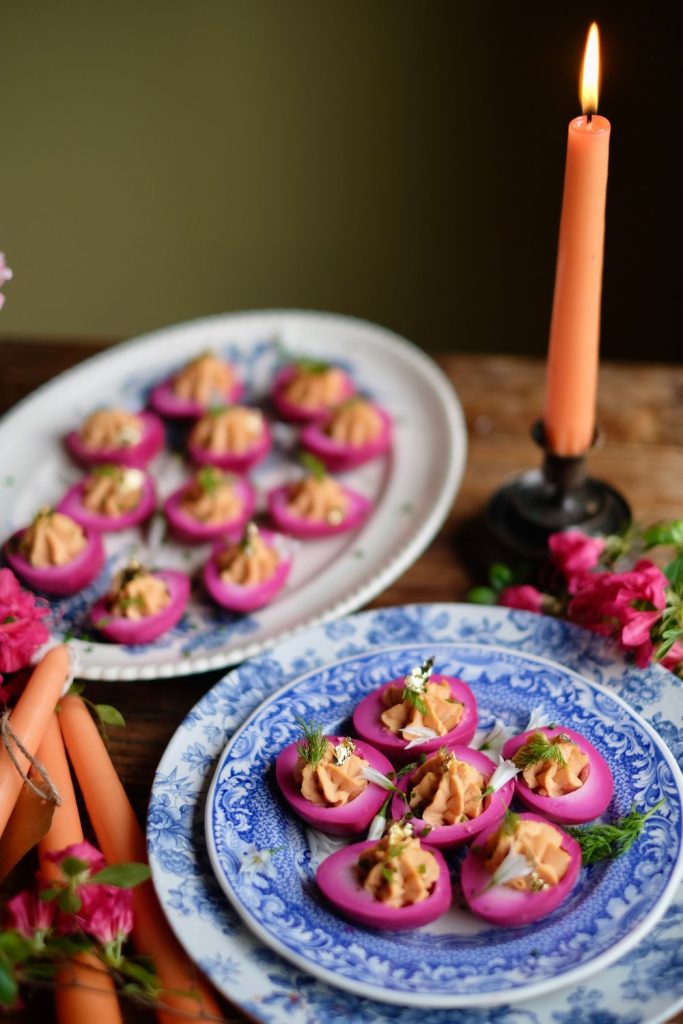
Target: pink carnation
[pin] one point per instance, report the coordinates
(575, 554)
(526, 597)
(625, 604)
(21, 629)
(84, 851)
(674, 658)
(106, 912)
(29, 914)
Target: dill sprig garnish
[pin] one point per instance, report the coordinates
(309, 365)
(602, 842)
(539, 748)
(313, 746)
(510, 822)
(209, 479)
(314, 466)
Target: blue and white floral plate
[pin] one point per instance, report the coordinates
(412, 492)
(646, 984)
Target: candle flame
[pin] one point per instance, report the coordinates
(590, 73)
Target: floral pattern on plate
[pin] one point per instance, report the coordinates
(272, 990)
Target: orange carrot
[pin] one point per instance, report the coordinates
(121, 840)
(28, 721)
(85, 991)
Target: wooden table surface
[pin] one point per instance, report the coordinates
(640, 411)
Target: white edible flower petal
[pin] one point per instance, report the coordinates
(515, 865)
(505, 771)
(493, 739)
(372, 775)
(377, 826)
(322, 845)
(417, 734)
(255, 860)
(537, 719)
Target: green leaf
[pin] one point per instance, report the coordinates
(500, 576)
(73, 866)
(482, 595)
(76, 689)
(47, 895)
(9, 989)
(39, 972)
(123, 876)
(314, 466)
(109, 715)
(664, 533)
(14, 946)
(674, 573)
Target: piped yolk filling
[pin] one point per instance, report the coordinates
(113, 490)
(211, 498)
(228, 431)
(549, 778)
(138, 595)
(315, 389)
(320, 501)
(329, 784)
(398, 872)
(441, 713)
(446, 791)
(540, 844)
(52, 539)
(355, 424)
(204, 380)
(111, 428)
(249, 562)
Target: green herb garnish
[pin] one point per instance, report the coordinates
(209, 478)
(314, 466)
(415, 684)
(313, 746)
(308, 365)
(602, 842)
(387, 873)
(510, 822)
(539, 748)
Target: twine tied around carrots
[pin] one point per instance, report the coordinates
(10, 741)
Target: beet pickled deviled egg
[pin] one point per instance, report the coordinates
(117, 436)
(519, 870)
(110, 498)
(233, 437)
(394, 884)
(353, 434)
(55, 554)
(243, 575)
(141, 605)
(563, 776)
(455, 794)
(203, 382)
(417, 714)
(307, 389)
(323, 779)
(212, 504)
(316, 505)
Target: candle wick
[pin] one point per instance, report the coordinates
(589, 117)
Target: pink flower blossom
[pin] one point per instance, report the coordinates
(84, 851)
(626, 605)
(674, 658)
(29, 914)
(106, 912)
(525, 597)
(575, 554)
(21, 629)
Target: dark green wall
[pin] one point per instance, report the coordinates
(401, 161)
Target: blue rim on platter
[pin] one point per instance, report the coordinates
(646, 984)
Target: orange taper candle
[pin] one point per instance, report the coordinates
(28, 721)
(121, 839)
(569, 416)
(85, 990)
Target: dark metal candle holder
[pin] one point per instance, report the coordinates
(559, 496)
